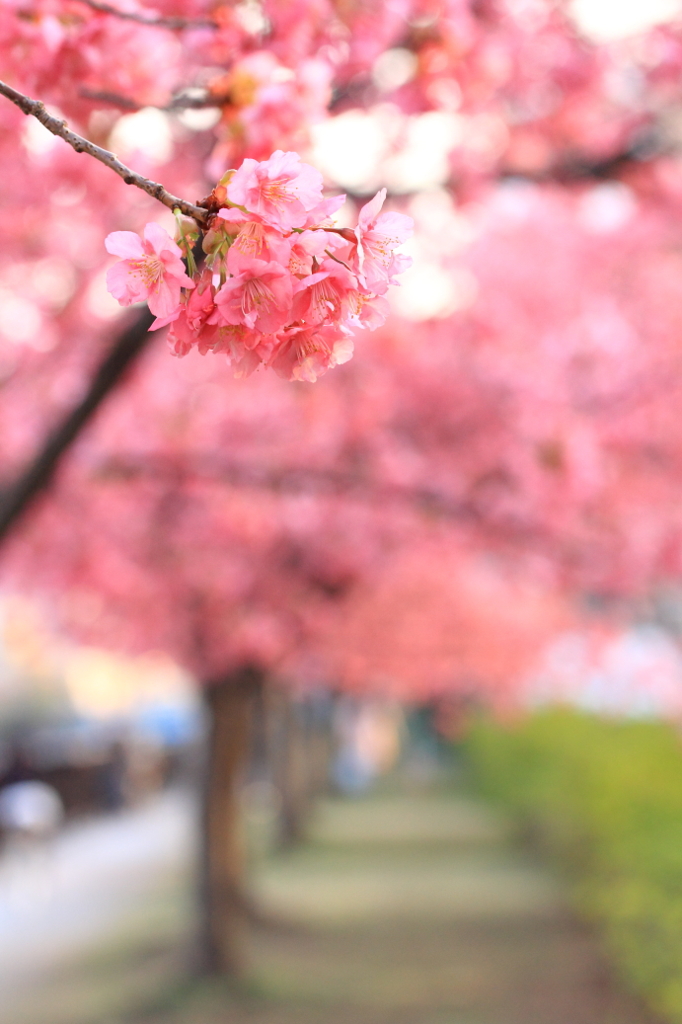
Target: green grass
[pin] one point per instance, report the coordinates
(604, 798)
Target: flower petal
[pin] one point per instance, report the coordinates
(163, 321)
(370, 210)
(125, 244)
(124, 285)
(159, 239)
(164, 300)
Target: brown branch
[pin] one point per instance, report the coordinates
(324, 482)
(112, 99)
(188, 102)
(37, 109)
(40, 472)
(212, 468)
(181, 102)
(153, 20)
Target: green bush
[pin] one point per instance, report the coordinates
(604, 797)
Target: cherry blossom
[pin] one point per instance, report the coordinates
(190, 321)
(151, 270)
(258, 297)
(307, 354)
(280, 190)
(254, 240)
(269, 287)
(378, 235)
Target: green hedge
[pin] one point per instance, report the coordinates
(605, 798)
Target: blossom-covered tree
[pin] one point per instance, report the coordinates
(519, 401)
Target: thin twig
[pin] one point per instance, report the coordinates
(187, 101)
(153, 20)
(112, 99)
(329, 253)
(53, 124)
(181, 102)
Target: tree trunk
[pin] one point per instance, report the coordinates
(223, 903)
(301, 749)
(289, 767)
(321, 743)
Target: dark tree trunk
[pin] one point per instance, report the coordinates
(321, 744)
(292, 781)
(224, 907)
(301, 753)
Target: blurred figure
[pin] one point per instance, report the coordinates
(368, 736)
(30, 811)
(112, 777)
(435, 730)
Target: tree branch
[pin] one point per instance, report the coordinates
(183, 101)
(112, 99)
(39, 473)
(646, 145)
(37, 109)
(155, 21)
(213, 468)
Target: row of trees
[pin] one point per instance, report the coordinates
(417, 519)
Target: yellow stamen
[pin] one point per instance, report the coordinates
(150, 269)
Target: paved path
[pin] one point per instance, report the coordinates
(59, 901)
(403, 910)
(423, 910)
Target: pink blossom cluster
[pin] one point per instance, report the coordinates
(63, 50)
(281, 286)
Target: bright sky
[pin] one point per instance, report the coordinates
(614, 19)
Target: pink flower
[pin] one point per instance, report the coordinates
(321, 215)
(370, 311)
(255, 241)
(332, 294)
(293, 285)
(308, 353)
(189, 327)
(281, 190)
(151, 270)
(307, 244)
(319, 297)
(245, 350)
(378, 234)
(259, 297)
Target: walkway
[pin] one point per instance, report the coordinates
(405, 910)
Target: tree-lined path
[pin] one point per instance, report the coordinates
(408, 909)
